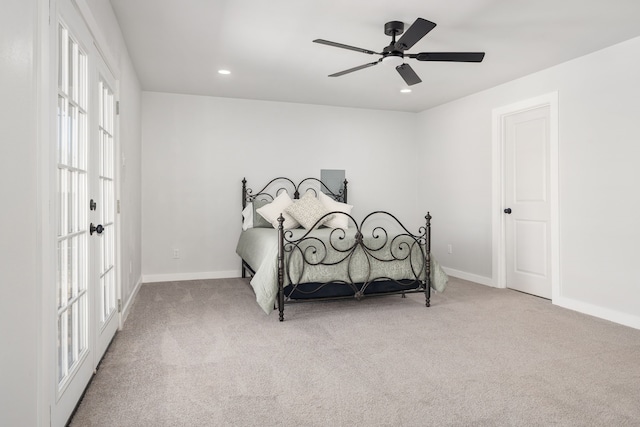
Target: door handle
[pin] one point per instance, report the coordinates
(507, 211)
(95, 228)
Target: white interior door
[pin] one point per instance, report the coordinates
(86, 310)
(527, 207)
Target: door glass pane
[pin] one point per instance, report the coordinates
(61, 345)
(71, 341)
(63, 46)
(72, 72)
(70, 269)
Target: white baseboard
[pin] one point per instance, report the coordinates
(178, 277)
(568, 303)
(487, 281)
(127, 305)
(601, 312)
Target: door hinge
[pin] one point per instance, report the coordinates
(118, 206)
(119, 306)
(118, 107)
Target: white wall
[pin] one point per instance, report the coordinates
(196, 150)
(130, 182)
(599, 153)
(456, 183)
(19, 215)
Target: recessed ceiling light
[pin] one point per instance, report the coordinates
(224, 72)
(406, 90)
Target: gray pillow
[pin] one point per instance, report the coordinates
(308, 210)
(258, 220)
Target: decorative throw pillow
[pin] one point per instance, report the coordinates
(258, 220)
(272, 211)
(247, 217)
(308, 210)
(338, 221)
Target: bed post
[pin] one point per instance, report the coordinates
(344, 192)
(244, 193)
(281, 267)
(244, 205)
(427, 291)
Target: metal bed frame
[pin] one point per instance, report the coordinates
(311, 251)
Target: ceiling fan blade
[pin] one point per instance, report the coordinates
(351, 70)
(416, 31)
(449, 56)
(407, 73)
(346, 46)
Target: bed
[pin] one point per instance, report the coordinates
(300, 243)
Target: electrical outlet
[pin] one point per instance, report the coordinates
(450, 248)
(176, 253)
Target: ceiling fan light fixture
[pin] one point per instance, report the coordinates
(393, 60)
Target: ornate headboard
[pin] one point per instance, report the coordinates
(280, 184)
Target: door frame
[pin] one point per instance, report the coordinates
(498, 187)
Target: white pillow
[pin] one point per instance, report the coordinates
(247, 217)
(272, 211)
(308, 210)
(338, 221)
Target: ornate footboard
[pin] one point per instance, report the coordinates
(342, 259)
(368, 259)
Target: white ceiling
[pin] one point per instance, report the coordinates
(178, 45)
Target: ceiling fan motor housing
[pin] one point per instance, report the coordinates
(390, 54)
(394, 28)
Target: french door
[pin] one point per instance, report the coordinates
(86, 315)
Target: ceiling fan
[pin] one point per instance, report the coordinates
(395, 54)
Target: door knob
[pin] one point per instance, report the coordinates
(95, 228)
(507, 211)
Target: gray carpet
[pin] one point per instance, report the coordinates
(202, 353)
